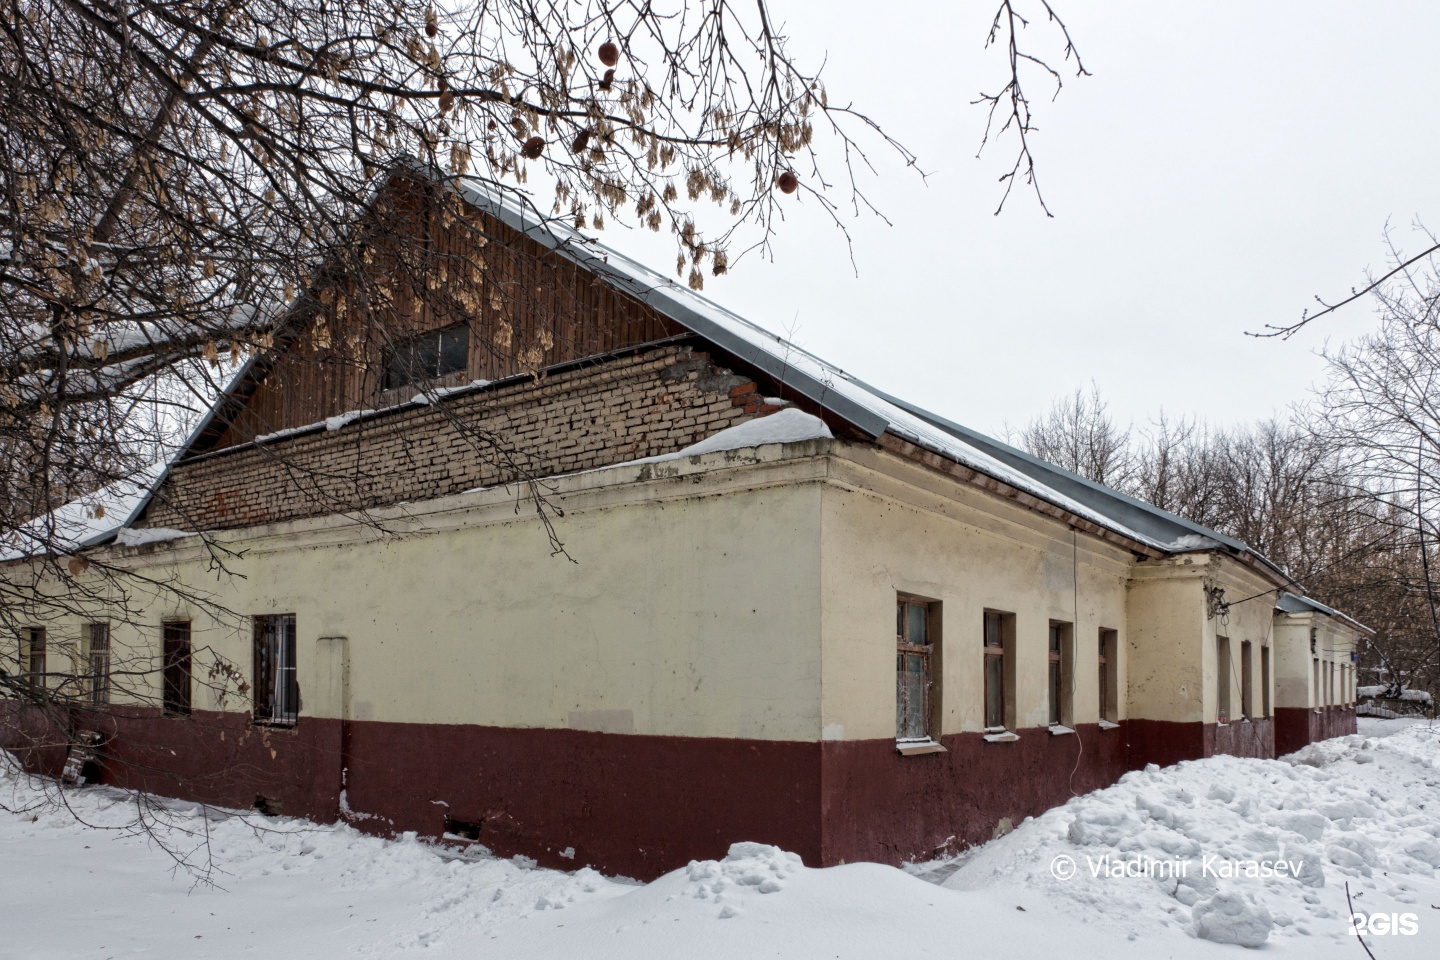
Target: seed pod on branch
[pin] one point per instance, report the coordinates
(609, 54)
(533, 148)
(787, 182)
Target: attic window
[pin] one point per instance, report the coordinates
(428, 356)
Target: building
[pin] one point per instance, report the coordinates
(711, 657)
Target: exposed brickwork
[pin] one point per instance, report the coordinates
(641, 405)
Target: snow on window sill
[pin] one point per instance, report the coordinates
(1000, 735)
(915, 748)
(1109, 725)
(1059, 729)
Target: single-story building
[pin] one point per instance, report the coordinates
(710, 658)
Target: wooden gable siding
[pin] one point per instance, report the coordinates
(530, 309)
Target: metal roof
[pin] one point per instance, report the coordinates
(871, 410)
(868, 409)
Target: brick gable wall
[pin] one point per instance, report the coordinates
(640, 405)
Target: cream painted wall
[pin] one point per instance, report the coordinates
(1249, 615)
(744, 594)
(1165, 610)
(692, 608)
(888, 528)
(1173, 670)
(1334, 643)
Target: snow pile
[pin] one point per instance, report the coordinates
(1378, 690)
(342, 420)
(1238, 850)
(786, 426)
(756, 866)
(142, 536)
(85, 521)
(1363, 810)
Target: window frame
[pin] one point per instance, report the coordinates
(97, 638)
(1223, 680)
(998, 657)
(391, 380)
(1059, 679)
(1247, 680)
(1265, 704)
(275, 683)
(33, 640)
(177, 668)
(928, 655)
(1108, 667)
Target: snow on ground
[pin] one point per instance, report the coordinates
(1364, 809)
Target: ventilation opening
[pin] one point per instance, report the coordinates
(268, 806)
(464, 829)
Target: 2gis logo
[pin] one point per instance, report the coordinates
(1381, 924)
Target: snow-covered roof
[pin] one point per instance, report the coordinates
(87, 520)
(865, 407)
(1295, 603)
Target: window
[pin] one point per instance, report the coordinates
(916, 629)
(1059, 676)
(999, 641)
(176, 641)
(32, 654)
(1246, 700)
(1315, 669)
(277, 695)
(1109, 670)
(1222, 679)
(99, 643)
(1265, 681)
(427, 357)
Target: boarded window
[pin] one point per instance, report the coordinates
(1222, 679)
(1247, 699)
(999, 628)
(428, 356)
(1109, 668)
(99, 643)
(1059, 672)
(1265, 681)
(916, 633)
(277, 694)
(177, 668)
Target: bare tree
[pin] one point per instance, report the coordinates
(190, 185)
(1079, 434)
(1381, 402)
(1331, 495)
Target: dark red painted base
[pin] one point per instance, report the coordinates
(1297, 726)
(879, 805)
(1163, 742)
(635, 805)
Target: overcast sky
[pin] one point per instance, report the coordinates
(1224, 163)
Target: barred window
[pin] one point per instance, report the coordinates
(277, 693)
(98, 635)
